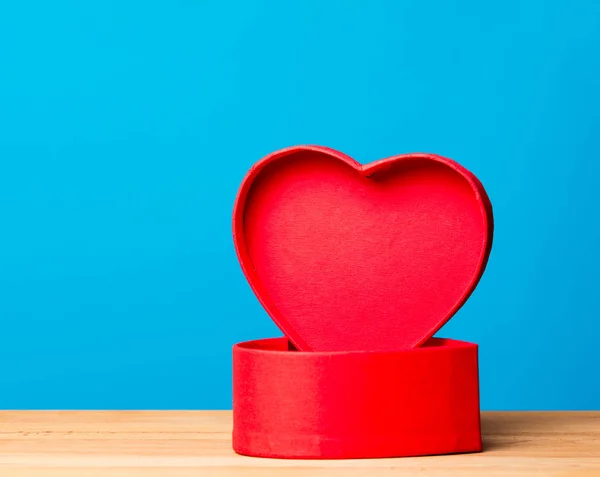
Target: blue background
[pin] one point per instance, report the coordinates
(127, 126)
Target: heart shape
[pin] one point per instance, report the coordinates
(347, 257)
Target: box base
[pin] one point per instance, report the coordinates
(336, 405)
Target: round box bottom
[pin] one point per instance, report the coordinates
(334, 405)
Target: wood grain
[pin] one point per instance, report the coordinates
(198, 443)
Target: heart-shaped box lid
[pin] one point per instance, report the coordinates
(347, 257)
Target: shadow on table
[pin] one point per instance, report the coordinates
(502, 430)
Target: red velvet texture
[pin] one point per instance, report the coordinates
(349, 257)
(359, 266)
(333, 405)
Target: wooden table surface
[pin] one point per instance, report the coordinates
(198, 443)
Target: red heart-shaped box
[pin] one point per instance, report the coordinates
(359, 266)
(345, 405)
(348, 257)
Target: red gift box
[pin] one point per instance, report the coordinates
(359, 266)
(331, 405)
